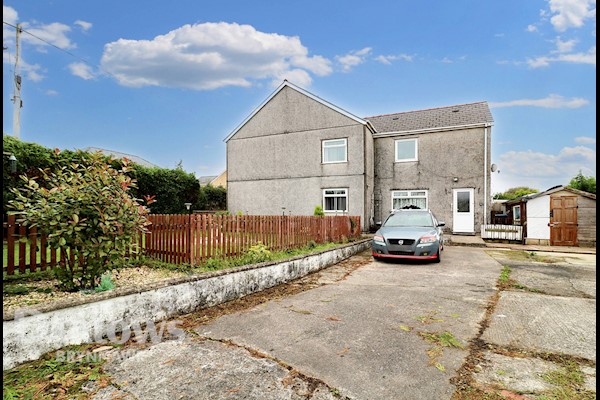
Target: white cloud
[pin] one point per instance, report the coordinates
(211, 55)
(84, 25)
(33, 72)
(388, 59)
(82, 70)
(565, 46)
(551, 101)
(542, 171)
(575, 58)
(585, 140)
(353, 58)
(54, 33)
(531, 28)
(499, 35)
(51, 92)
(571, 13)
(446, 60)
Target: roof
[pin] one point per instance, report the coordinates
(205, 180)
(548, 192)
(433, 119)
(118, 154)
(285, 84)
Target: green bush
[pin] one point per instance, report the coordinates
(258, 253)
(106, 283)
(319, 211)
(86, 207)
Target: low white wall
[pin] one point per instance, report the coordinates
(27, 337)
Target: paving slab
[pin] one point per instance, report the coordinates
(538, 322)
(191, 369)
(361, 335)
(523, 375)
(557, 279)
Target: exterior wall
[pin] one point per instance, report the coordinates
(220, 180)
(275, 159)
(538, 219)
(441, 157)
(586, 221)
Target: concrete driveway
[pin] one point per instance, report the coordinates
(366, 329)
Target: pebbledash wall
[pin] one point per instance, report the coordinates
(28, 334)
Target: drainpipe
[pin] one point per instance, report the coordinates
(485, 173)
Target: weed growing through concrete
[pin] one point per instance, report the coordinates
(568, 382)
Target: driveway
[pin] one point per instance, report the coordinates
(365, 329)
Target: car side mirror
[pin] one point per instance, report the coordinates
(441, 223)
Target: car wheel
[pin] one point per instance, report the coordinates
(438, 258)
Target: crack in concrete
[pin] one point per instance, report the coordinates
(312, 383)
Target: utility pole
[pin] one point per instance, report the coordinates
(18, 103)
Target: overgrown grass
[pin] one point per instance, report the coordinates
(568, 382)
(49, 377)
(504, 280)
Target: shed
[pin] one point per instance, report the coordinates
(559, 216)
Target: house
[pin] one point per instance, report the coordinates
(214, 180)
(120, 155)
(559, 216)
(297, 151)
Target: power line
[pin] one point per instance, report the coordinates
(59, 48)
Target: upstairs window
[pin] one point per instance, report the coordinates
(335, 200)
(406, 150)
(335, 151)
(403, 199)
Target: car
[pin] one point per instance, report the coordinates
(409, 234)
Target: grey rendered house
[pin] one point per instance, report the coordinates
(297, 151)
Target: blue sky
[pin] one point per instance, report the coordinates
(168, 81)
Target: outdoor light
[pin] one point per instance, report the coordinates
(188, 205)
(12, 163)
(455, 179)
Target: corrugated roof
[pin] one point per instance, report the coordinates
(118, 155)
(442, 117)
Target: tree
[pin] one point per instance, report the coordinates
(585, 183)
(85, 207)
(514, 193)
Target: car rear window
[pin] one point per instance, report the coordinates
(409, 219)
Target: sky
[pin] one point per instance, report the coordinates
(168, 81)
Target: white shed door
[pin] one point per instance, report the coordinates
(463, 211)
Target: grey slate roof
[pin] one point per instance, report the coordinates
(462, 114)
(118, 155)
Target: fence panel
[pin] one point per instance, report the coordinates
(502, 232)
(187, 238)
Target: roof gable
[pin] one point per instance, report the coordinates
(287, 84)
(462, 115)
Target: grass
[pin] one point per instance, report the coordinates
(568, 382)
(50, 377)
(444, 339)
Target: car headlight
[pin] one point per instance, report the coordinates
(428, 239)
(379, 239)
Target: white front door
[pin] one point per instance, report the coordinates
(463, 211)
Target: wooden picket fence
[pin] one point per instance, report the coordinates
(196, 238)
(502, 232)
(187, 238)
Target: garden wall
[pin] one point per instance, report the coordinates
(29, 334)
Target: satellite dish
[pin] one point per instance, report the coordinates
(494, 167)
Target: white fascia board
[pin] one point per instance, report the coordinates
(308, 94)
(429, 130)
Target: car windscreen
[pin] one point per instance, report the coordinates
(409, 219)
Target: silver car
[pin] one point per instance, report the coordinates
(409, 234)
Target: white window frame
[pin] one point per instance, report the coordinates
(416, 158)
(335, 195)
(323, 146)
(397, 194)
